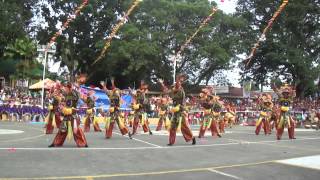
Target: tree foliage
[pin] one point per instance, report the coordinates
(291, 49)
(145, 45)
(15, 17)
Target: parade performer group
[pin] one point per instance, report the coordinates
(173, 113)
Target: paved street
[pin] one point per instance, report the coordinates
(239, 154)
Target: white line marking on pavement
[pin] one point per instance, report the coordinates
(10, 131)
(162, 147)
(311, 162)
(139, 140)
(224, 174)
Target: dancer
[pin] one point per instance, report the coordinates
(211, 108)
(178, 111)
(230, 116)
(163, 113)
(114, 111)
(286, 95)
(266, 106)
(90, 112)
(69, 127)
(139, 105)
(53, 118)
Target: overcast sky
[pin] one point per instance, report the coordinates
(227, 6)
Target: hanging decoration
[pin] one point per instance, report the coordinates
(204, 23)
(188, 41)
(263, 35)
(116, 29)
(67, 22)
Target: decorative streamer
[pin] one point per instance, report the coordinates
(263, 35)
(204, 23)
(66, 24)
(116, 29)
(178, 54)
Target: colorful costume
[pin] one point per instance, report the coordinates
(230, 116)
(163, 114)
(266, 105)
(179, 115)
(115, 115)
(53, 118)
(139, 106)
(89, 117)
(286, 95)
(69, 125)
(211, 107)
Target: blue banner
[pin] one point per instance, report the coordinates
(102, 100)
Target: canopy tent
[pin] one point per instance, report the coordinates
(48, 83)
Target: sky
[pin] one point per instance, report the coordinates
(228, 6)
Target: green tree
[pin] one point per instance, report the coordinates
(23, 51)
(146, 43)
(291, 49)
(15, 18)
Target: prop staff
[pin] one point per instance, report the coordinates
(66, 24)
(266, 29)
(116, 29)
(203, 23)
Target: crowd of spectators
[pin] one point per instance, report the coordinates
(19, 103)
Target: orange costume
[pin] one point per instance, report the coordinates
(139, 106)
(286, 95)
(266, 105)
(53, 118)
(89, 117)
(163, 114)
(212, 108)
(115, 114)
(179, 114)
(69, 126)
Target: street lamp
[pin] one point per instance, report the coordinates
(45, 49)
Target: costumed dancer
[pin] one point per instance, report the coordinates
(286, 95)
(163, 113)
(266, 106)
(179, 115)
(211, 109)
(53, 118)
(69, 126)
(229, 117)
(114, 111)
(89, 99)
(139, 105)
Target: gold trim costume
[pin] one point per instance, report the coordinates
(286, 94)
(266, 106)
(179, 114)
(211, 108)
